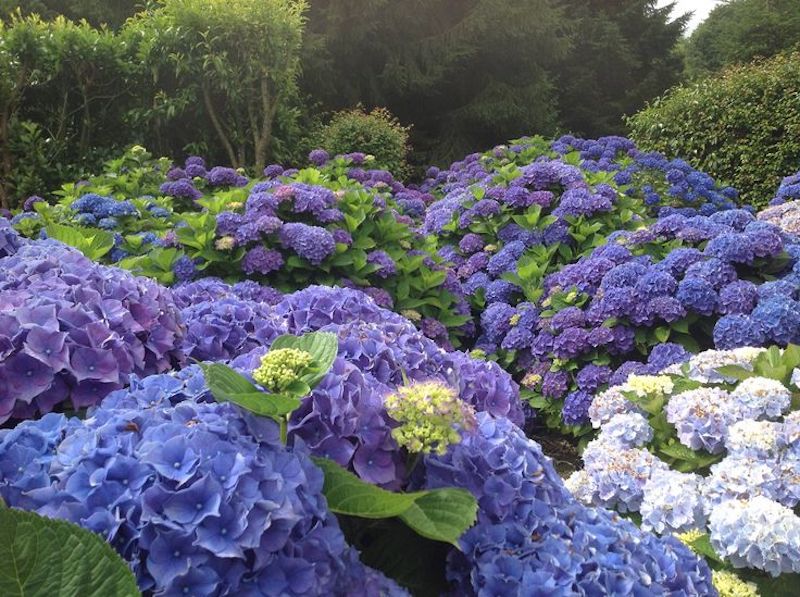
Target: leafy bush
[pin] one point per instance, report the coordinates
(709, 447)
(742, 126)
(57, 78)
(239, 58)
(377, 133)
(532, 228)
(739, 31)
(337, 223)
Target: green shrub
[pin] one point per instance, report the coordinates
(377, 133)
(742, 126)
(229, 65)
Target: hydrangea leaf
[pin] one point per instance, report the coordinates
(93, 243)
(347, 494)
(322, 346)
(442, 514)
(227, 385)
(42, 556)
(438, 514)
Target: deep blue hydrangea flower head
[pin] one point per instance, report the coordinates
(203, 496)
(698, 295)
(779, 317)
(75, 330)
(576, 407)
(184, 269)
(736, 330)
(531, 532)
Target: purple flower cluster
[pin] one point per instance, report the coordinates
(198, 497)
(344, 417)
(214, 289)
(532, 533)
(74, 330)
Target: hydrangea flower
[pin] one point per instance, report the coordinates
(198, 497)
(757, 533)
(672, 502)
(431, 417)
(74, 330)
(312, 243)
(759, 397)
(280, 368)
(702, 417)
(221, 329)
(532, 532)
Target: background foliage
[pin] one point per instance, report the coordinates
(742, 126)
(739, 30)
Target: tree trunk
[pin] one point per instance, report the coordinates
(212, 113)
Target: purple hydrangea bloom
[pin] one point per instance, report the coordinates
(260, 260)
(74, 330)
(318, 157)
(222, 329)
(220, 176)
(181, 189)
(385, 264)
(312, 243)
(576, 407)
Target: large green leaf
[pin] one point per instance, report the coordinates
(442, 514)
(42, 557)
(347, 494)
(229, 386)
(92, 242)
(323, 348)
(438, 514)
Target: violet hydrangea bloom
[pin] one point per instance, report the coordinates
(222, 329)
(312, 243)
(74, 330)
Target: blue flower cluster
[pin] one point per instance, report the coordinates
(74, 330)
(657, 180)
(103, 212)
(199, 498)
(532, 533)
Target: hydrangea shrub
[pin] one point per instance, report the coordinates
(708, 447)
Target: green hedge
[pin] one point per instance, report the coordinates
(741, 126)
(217, 78)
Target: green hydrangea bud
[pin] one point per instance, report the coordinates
(515, 319)
(689, 537)
(280, 368)
(431, 417)
(411, 315)
(729, 584)
(477, 353)
(531, 381)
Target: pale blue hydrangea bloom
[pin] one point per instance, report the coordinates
(672, 502)
(762, 397)
(757, 533)
(628, 430)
